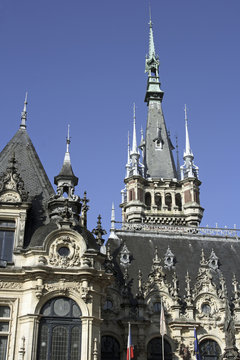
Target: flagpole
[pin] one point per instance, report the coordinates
(129, 347)
(162, 347)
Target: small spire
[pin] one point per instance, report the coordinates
(24, 114)
(188, 151)
(134, 143)
(178, 162)
(68, 141)
(188, 169)
(151, 40)
(113, 217)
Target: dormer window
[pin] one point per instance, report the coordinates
(7, 230)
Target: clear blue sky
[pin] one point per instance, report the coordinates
(82, 63)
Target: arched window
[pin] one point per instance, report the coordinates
(110, 348)
(209, 350)
(148, 200)
(178, 201)
(158, 201)
(60, 330)
(154, 349)
(168, 201)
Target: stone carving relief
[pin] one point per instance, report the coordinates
(169, 258)
(213, 261)
(12, 185)
(207, 307)
(10, 285)
(125, 256)
(82, 288)
(65, 252)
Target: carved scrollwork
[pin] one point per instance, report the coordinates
(10, 285)
(64, 252)
(12, 185)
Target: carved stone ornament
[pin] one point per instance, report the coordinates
(63, 287)
(213, 261)
(12, 185)
(207, 307)
(10, 285)
(64, 252)
(169, 259)
(125, 256)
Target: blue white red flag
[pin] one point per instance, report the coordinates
(129, 345)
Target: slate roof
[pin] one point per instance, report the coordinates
(159, 163)
(35, 179)
(187, 251)
(43, 231)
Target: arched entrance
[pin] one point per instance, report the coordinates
(60, 330)
(209, 350)
(110, 348)
(154, 349)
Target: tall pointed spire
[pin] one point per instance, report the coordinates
(178, 162)
(68, 141)
(24, 114)
(134, 154)
(134, 142)
(152, 68)
(151, 52)
(128, 164)
(188, 151)
(188, 169)
(67, 171)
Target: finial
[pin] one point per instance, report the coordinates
(113, 217)
(24, 113)
(68, 141)
(134, 143)
(150, 14)
(68, 138)
(99, 231)
(178, 162)
(187, 149)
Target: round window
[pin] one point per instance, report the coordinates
(63, 251)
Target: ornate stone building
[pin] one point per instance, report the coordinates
(160, 254)
(64, 295)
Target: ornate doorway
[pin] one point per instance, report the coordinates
(154, 349)
(60, 330)
(110, 348)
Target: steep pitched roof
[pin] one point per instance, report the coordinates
(187, 249)
(33, 174)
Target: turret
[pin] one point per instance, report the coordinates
(154, 190)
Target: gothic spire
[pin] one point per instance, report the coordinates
(188, 169)
(188, 151)
(158, 157)
(151, 52)
(152, 68)
(134, 142)
(128, 164)
(134, 154)
(66, 173)
(24, 114)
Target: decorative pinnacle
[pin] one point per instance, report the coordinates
(134, 143)
(113, 217)
(68, 141)
(24, 114)
(151, 40)
(68, 138)
(99, 232)
(188, 151)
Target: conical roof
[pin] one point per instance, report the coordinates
(30, 168)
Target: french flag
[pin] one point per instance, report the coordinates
(129, 345)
